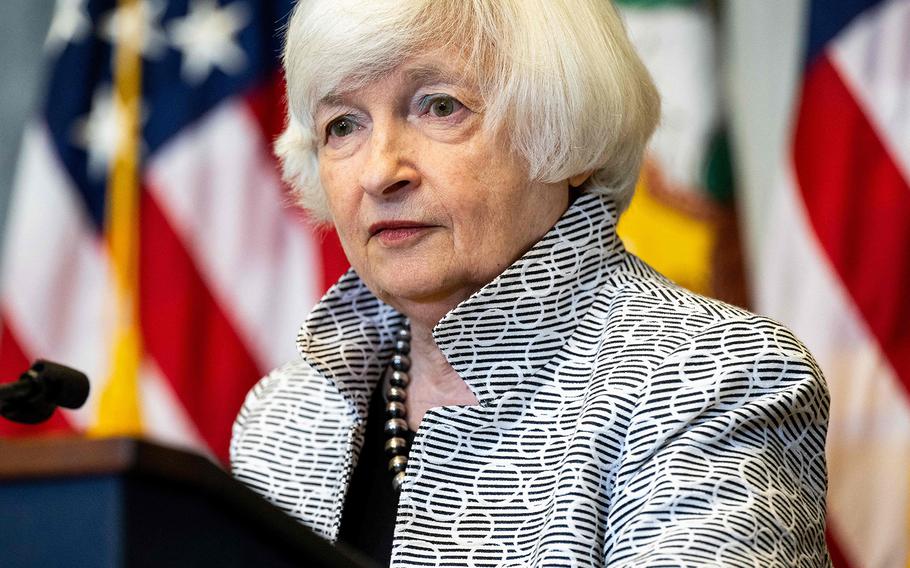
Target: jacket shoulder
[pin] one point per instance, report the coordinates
(727, 417)
(643, 286)
(292, 436)
(647, 319)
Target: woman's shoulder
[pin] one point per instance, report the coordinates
(638, 289)
(290, 440)
(294, 375)
(675, 324)
(294, 391)
(709, 397)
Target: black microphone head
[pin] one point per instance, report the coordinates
(63, 385)
(30, 413)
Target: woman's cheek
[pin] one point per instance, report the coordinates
(338, 192)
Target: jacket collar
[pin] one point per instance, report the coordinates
(504, 332)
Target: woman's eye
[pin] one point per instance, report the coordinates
(341, 127)
(441, 106)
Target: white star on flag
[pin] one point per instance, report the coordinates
(102, 131)
(137, 20)
(206, 36)
(71, 23)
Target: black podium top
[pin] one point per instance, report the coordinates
(152, 505)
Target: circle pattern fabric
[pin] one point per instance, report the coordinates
(622, 421)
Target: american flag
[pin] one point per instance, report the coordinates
(150, 242)
(832, 261)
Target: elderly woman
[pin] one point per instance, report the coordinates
(496, 381)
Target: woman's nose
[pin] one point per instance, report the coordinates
(389, 167)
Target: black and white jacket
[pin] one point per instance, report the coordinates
(622, 421)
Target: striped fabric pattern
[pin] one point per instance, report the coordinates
(623, 421)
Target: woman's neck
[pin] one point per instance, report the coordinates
(433, 380)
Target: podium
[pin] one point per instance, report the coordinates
(129, 503)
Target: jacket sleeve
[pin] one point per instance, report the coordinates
(724, 462)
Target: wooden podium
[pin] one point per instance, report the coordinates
(126, 503)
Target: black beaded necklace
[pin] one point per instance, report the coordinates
(396, 445)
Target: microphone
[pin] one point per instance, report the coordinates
(45, 386)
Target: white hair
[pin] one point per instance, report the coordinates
(560, 75)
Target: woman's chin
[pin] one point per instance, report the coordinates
(412, 293)
(410, 288)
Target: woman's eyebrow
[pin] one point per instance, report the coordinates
(429, 74)
(424, 74)
(331, 99)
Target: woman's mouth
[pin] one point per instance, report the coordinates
(392, 233)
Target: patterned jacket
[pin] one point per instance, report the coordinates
(623, 421)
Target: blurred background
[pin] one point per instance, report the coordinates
(147, 238)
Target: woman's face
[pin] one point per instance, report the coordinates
(429, 206)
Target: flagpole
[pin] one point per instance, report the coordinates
(119, 410)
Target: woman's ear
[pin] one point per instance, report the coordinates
(579, 179)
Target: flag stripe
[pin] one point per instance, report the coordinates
(12, 363)
(268, 103)
(228, 207)
(864, 233)
(187, 333)
(869, 427)
(56, 277)
(271, 118)
(164, 417)
(878, 76)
